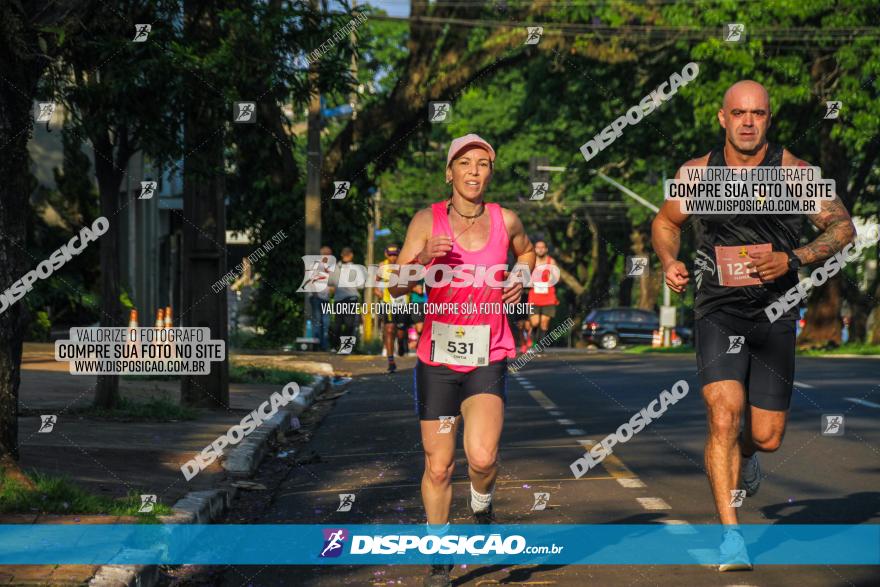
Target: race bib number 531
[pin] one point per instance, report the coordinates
(455, 344)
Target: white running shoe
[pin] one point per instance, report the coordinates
(733, 553)
(750, 473)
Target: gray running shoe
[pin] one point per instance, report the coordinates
(439, 576)
(750, 472)
(487, 516)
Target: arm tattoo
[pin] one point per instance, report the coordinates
(837, 232)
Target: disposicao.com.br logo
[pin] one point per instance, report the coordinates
(334, 538)
(430, 544)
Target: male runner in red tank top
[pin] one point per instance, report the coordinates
(461, 373)
(542, 295)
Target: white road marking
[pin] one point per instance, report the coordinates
(679, 527)
(631, 483)
(653, 503)
(611, 463)
(804, 385)
(862, 402)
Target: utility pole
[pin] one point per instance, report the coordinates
(313, 167)
(352, 99)
(375, 223)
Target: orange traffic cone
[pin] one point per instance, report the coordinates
(157, 344)
(131, 340)
(169, 323)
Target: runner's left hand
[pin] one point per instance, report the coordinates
(769, 266)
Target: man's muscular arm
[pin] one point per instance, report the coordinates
(666, 237)
(833, 221)
(837, 232)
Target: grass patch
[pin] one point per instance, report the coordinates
(642, 349)
(850, 348)
(156, 409)
(150, 377)
(854, 348)
(371, 347)
(272, 375)
(59, 495)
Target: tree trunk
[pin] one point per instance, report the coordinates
(22, 66)
(109, 178)
(872, 325)
(650, 282)
(624, 294)
(823, 328)
(204, 211)
(600, 271)
(860, 308)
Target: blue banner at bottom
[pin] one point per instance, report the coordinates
(276, 544)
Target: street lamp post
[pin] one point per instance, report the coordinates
(665, 326)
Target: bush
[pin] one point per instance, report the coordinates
(40, 327)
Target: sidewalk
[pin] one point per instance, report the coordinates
(53, 574)
(111, 458)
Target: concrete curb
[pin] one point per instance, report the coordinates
(833, 356)
(128, 575)
(244, 459)
(203, 507)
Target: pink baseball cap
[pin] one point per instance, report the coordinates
(460, 143)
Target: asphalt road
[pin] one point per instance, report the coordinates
(368, 445)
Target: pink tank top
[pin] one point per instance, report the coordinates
(493, 253)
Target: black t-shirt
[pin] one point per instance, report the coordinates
(782, 231)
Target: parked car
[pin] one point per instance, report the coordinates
(607, 328)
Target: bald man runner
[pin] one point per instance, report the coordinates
(761, 374)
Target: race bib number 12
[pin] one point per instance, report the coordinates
(455, 344)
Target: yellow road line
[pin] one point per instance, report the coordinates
(615, 467)
(542, 399)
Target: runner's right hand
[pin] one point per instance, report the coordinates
(677, 276)
(437, 246)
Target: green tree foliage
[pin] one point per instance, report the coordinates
(578, 80)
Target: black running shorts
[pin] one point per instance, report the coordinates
(440, 391)
(544, 311)
(760, 355)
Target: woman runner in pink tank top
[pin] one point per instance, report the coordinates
(461, 372)
(493, 253)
